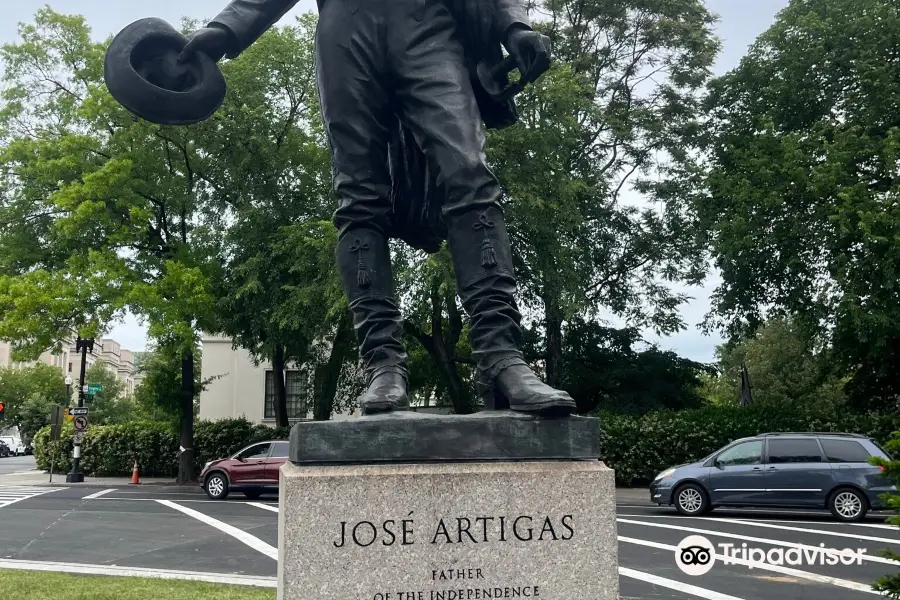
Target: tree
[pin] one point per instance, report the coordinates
(785, 369)
(280, 295)
(158, 395)
(108, 406)
(604, 371)
(615, 111)
(435, 322)
(120, 205)
(889, 585)
(28, 393)
(796, 190)
(616, 108)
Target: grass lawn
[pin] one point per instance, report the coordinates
(40, 585)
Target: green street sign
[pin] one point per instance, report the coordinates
(94, 388)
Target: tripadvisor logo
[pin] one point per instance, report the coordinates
(696, 555)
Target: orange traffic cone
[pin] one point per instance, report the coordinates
(135, 474)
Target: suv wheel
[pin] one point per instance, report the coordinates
(216, 486)
(691, 500)
(848, 504)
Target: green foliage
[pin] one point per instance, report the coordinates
(603, 370)
(58, 452)
(594, 126)
(108, 406)
(28, 394)
(33, 414)
(639, 447)
(157, 396)
(111, 450)
(890, 584)
(796, 190)
(786, 369)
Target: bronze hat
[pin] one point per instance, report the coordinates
(143, 74)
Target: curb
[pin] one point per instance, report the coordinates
(100, 484)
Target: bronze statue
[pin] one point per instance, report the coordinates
(406, 90)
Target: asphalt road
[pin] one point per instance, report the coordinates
(160, 528)
(16, 464)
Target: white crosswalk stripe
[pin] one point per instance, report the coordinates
(10, 494)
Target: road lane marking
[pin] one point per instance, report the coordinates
(57, 567)
(10, 494)
(844, 583)
(750, 538)
(782, 521)
(98, 494)
(182, 501)
(854, 536)
(672, 584)
(264, 506)
(239, 534)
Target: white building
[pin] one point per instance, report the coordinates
(240, 388)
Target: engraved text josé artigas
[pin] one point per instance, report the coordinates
(457, 530)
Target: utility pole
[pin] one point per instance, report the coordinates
(83, 346)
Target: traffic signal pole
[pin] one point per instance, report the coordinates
(84, 346)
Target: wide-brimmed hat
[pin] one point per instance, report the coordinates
(143, 74)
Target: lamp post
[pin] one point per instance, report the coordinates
(84, 346)
(68, 389)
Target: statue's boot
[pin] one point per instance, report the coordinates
(486, 284)
(364, 262)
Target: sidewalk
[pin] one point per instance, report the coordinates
(42, 479)
(633, 496)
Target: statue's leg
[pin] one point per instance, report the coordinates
(357, 115)
(440, 108)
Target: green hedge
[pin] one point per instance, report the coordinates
(111, 450)
(636, 446)
(640, 446)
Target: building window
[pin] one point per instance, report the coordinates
(70, 367)
(296, 384)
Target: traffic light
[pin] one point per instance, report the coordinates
(2, 411)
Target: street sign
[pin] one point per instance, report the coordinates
(79, 437)
(94, 389)
(79, 411)
(81, 422)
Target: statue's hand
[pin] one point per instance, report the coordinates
(531, 51)
(211, 41)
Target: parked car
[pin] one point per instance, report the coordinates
(4, 449)
(16, 447)
(252, 471)
(787, 470)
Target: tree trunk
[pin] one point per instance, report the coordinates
(186, 435)
(327, 375)
(441, 346)
(280, 401)
(462, 402)
(553, 359)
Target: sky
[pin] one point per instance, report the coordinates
(740, 21)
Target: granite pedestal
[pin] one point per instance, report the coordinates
(446, 525)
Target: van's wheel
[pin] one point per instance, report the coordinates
(848, 504)
(691, 500)
(216, 486)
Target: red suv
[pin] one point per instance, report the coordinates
(253, 470)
